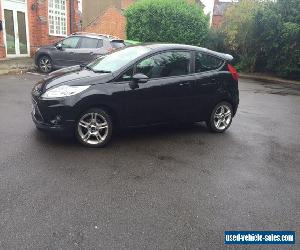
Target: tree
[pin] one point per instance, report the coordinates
(265, 36)
(174, 21)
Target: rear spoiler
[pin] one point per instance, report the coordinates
(227, 57)
(117, 40)
(223, 56)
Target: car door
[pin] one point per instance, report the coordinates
(88, 50)
(65, 53)
(206, 84)
(164, 96)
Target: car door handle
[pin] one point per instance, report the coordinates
(184, 83)
(71, 53)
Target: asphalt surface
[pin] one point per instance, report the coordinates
(155, 188)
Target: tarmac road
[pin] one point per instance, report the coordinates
(163, 188)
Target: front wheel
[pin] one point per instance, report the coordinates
(94, 128)
(221, 117)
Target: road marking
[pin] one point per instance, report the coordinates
(35, 73)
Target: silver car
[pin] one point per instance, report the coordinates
(77, 49)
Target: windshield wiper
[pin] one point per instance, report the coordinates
(97, 71)
(102, 71)
(88, 67)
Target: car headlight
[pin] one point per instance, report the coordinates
(63, 91)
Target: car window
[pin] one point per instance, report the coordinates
(100, 43)
(70, 42)
(88, 43)
(205, 62)
(126, 76)
(118, 59)
(173, 63)
(117, 44)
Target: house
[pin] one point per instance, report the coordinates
(106, 17)
(219, 10)
(29, 24)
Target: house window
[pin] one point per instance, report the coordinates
(57, 17)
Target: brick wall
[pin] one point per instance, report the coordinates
(2, 48)
(217, 21)
(38, 23)
(111, 22)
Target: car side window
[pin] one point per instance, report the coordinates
(100, 43)
(89, 43)
(166, 64)
(70, 42)
(126, 76)
(205, 62)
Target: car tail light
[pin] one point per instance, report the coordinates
(233, 72)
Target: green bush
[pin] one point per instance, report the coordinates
(174, 21)
(264, 36)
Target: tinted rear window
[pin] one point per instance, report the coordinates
(205, 62)
(117, 44)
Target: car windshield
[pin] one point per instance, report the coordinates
(118, 59)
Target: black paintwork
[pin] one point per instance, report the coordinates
(170, 99)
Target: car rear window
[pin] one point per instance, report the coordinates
(205, 62)
(117, 44)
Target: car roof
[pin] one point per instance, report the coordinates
(95, 35)
(170, 46)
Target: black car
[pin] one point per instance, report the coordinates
(79, 48)
(138, 86)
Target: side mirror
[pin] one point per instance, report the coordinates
(59, 46)
(140, 78)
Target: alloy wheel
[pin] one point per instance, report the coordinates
(45, 64)
(222, 117)
(93, 128)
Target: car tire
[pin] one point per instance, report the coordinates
(94, 128)
(220, 118)
(45, 64)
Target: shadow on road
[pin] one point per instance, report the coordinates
(133, 135)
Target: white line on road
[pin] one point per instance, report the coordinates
(35, 73)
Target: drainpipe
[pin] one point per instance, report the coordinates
(71, 16)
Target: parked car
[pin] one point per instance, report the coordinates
(79, 48)
(137, 86)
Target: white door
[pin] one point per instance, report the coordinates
(15, 28)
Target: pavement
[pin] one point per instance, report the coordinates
(16, 65)
(267, 78)
(154, 188)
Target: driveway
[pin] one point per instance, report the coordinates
(164, 188)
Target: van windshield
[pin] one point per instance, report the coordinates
(116, 60)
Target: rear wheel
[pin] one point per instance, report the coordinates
(94, 128)
(45, 64)
(221, 117)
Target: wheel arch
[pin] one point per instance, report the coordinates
(231, 102)
(107, 108)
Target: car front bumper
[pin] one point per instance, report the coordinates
(66, 129)
(52, 117)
